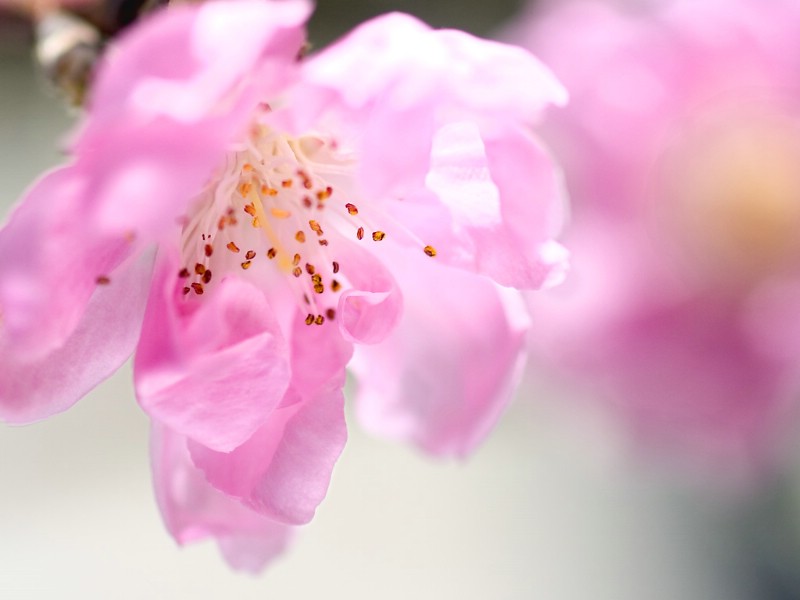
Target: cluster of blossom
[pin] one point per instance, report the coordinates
(251, 221)
(680, 147)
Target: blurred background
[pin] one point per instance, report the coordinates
(561, 502)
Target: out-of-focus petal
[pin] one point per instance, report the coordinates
(50, 264)
(179, 114)
(212, 368)
(193, 510)
(444, 376)
(103, 339)
(283, 471)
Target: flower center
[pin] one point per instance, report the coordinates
(735, 197)
(280, 210)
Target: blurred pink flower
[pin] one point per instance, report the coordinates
(378, 195)
(680, 147)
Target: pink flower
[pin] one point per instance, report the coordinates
(680, 147)
(386, 194)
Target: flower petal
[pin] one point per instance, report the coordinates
(411, 81)
(371, 307)
(179, 114)
(50, 264)
(212, 368)
(102, 341)
(193, 510)
(283, 471)
(443, 377)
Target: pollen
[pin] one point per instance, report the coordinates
(245, 188)
(429, 250)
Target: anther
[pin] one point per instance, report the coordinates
(297, 272)
(198, 288)
(246, 264)
(351, 208)
(232, 247)
(323, 242)
(319, 320)
(250, 255)
(183, 272)
(335, 267)
(207, 276)
(250, 209)
(245, 188)
(335, 285)
(429, 250)
(315, 227)
(186, 290)
(271, 253)
(296, 260)
(300, 236)
(378, 235)
(310, 319)
(199, 269)
(310, 269)
(209, 249)
(287, 183)
(279, 213)
(102, 280)
(330, 313)
(360, 233)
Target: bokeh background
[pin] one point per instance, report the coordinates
(557, 504)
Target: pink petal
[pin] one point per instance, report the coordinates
(193, 510)
(444, 376)
(51, 262)
(212, 368)
(103, 339)
(371, 307)
(283, 471)
(179, 114)
(411, 81)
